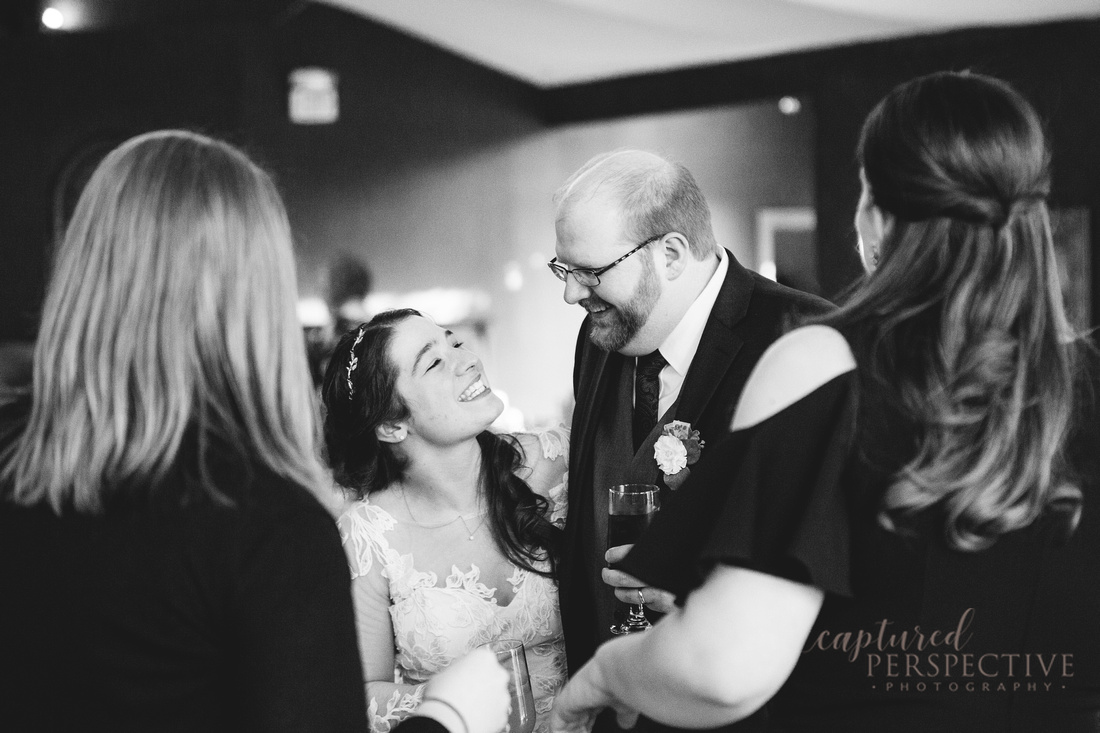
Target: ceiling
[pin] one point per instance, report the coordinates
(552, 43)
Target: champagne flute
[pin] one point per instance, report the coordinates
(511, 655)
(630, 509)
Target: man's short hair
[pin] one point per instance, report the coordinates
(655, 196)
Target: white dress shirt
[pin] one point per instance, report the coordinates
(680, 346)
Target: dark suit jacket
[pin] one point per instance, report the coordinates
(749, 314)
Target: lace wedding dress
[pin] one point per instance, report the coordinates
(432, 623)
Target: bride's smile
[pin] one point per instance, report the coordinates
(475, 390)
(443, 384)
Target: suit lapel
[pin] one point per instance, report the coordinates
(588, 402)
(597, 370)
(719, 345)
(600, 369)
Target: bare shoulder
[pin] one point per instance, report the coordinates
(797, 364)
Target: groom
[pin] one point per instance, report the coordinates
(675, 324)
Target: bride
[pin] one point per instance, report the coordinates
(438, 496)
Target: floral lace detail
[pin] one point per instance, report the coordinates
(559, 502)
(399, 707)
(555, 443)
(362, 528)
(403, 577)
(434, 625)
(471, 582)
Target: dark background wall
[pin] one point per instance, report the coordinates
(410, 107)
(409, 112)
(405, 105)
(62, 94)
(1055, 65)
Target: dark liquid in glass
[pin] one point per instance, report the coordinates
(626, 529)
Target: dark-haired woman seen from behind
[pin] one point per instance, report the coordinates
(165, 564)
(905, 532)
(452, 540)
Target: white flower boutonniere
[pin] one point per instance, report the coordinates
(678, 447)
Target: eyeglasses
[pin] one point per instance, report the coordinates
(590, 278)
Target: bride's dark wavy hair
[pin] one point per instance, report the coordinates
(961, 328)
(360, 398)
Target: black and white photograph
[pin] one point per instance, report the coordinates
(549, 366)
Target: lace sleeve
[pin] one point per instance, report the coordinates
(361, 533)
(549, 471)
(555, 443)
(402, 703)
(370, 557)
(559, 501)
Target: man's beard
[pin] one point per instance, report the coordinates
(614, 328)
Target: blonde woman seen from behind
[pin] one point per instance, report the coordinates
(167, 564)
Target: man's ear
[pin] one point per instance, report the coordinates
(674, 254)
(391, 432)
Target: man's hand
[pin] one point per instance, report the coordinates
(627, 587)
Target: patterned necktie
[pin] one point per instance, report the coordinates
(647, 390)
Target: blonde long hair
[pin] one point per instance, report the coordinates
(171, 312)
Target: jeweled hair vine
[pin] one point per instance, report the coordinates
(353, 361)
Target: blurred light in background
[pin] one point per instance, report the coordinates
(513, 276)
(790, 105)
(445, 306)
(53, 18)
(67, 15)
(314, 313)
(767, 269)
(313, 98)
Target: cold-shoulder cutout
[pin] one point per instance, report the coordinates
(798, 363)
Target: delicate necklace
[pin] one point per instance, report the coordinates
(469, 532)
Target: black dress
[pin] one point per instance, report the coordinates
(912, 635)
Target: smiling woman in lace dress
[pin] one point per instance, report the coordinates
(452, 538)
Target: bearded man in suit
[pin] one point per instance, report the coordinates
(674, 327)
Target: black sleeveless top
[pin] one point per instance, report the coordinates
(912, 635)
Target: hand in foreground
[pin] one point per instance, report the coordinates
(582, 699)
(476, 687)
(627, 586)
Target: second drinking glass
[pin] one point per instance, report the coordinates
(510, 653)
